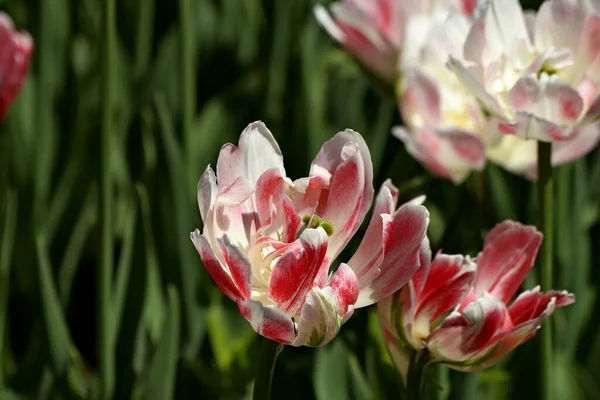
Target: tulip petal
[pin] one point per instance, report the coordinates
(476, 88)
(269, 191)
(420, 98)
(401, 257)
(422, 274)
(207, 193)
(468, 336)
(257, 152)
(532, 303)
(344, 286)
(222, 277)
(268, 321)
(563, 105)
(584, 141)
(509, 252)
(447, 284)
(295, 271)
(368, 257)
(238, 264)
(524, 94)
(319, 321)
(531, 310)
(347, 158)
(291, 221)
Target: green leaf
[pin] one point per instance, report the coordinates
(161, 379)
(56, 326)
(6, 251)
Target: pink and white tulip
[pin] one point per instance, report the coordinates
(445, 127)
(15, 52)
(537, 76)
(269, 242)
(374, 30)
(481, 328)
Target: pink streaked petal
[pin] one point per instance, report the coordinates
(257, 152)
(524, 94)
(466, 146)
(269, 191)
(590, 44)
(221, 277)
(348, 199)
(476, 88)
(268, 321)
(295, 271)
(344, 200)
(447, 284)
(509, 252)
(460, 340)
(238, 264)
(531, 304)
(530, 126)
(424, 147)
(319, 321)
(291, 221)
(563, 103)
(401, 256)
(422, 97)
(344, 286)
(525, 330)
(367, 258)
(584, 141)
(235, 194)
(420, 277)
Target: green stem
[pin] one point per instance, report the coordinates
(265, 368)
(545, 222)
(414, 377)
(105, 349)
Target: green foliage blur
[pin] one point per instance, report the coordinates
(187, 80)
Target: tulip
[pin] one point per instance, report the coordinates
(538, 76)
(374, 30)
(269, 242)
(16, 49)
(445, 127)
(481, 327)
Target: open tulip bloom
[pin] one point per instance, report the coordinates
(15, 51)
(538, 76)
(481, 327)
(445, 127)
(269, 242)
(374, 30)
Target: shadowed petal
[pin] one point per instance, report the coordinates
(268, 321)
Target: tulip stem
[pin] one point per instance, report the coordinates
(545, 222)
(414, 377)
(269, 351)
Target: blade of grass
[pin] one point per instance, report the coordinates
(161, 379)
(124, 267)
(144, 36)
(56, 326)
(189, 268)
(84, 223)
(106, 354)
(186, 41)
(6, 250)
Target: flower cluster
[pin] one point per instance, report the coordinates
(457, 308)
(482, 80)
